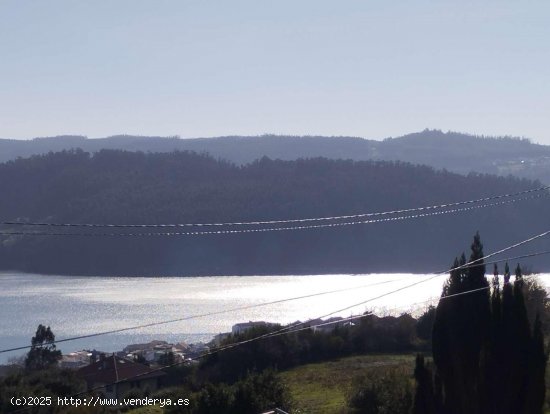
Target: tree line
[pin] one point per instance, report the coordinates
(124, 187)
(487, 356)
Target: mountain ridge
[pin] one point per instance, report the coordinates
(457, 152)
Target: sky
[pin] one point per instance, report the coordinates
(204, 68)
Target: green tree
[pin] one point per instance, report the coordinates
(487, 358)
(386, 390)
(425, 323)
(461, 329)
(51, 382)
(537, 366)
(210, 399)
(424, 399)
(261, 392)
(43, 352)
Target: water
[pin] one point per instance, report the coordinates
(75, 306)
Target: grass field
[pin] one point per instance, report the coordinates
(322, 387)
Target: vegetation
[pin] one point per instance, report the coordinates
(425, 324)
(387, 392)
(43, 352)
(124, 187)
(327, 387)
(371, 334)
(487, 358)
(454, 151)
(244, 379)
(50, 382)
(40, 377)
(256, 393)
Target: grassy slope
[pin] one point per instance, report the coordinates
(322, 387)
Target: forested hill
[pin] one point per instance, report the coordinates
(128, 187)
(456, 152)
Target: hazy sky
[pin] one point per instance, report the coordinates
(204, 68)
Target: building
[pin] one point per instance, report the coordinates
(75, 360)
(153, 352)
(245, 326)
(119, 375)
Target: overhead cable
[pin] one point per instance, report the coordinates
(267, 222)
(203, 315)
(289, 329)
(164, 322)
(272, 229)
(438, 274)
(267, 336)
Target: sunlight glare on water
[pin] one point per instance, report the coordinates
(82, 305)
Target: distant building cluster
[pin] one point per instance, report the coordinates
(144, 361)
(139, 361)
(76, 360)
(239, 328)
(154, 351)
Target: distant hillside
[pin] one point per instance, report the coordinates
(454, 151)
(128, 187)
(465, 153)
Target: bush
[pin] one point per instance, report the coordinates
(383, 390)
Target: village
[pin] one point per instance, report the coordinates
(143, 363)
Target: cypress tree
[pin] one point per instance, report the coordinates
(486, 358)
(507, 348)
(523, 339)
(424, 401)
(538, 358)
(461, 331)
(496, 305)
(444, 337)
(506, 274)
(493, 378)
(477, 328)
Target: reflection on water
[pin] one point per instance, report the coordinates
(75, 306)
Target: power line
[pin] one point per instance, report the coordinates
(290, 330)
(267, 222)
(523, 256)
(270, 229)
(203, 315)
(372, 313)
(96, 334)
(276, 333)
(321, 324)
(438, 274)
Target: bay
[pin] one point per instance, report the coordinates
(75, 306)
